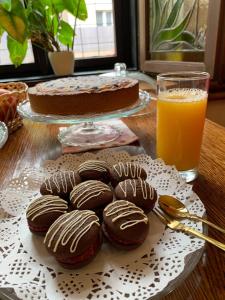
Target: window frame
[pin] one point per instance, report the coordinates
(125, 16)
(159, 66)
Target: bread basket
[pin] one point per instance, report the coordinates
(11, 94)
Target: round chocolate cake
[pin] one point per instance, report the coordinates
(42, 212)
(94, 170)
(60, 184)
(126, 170)
(91, 194)
(137, 191)
(83, 95)
(74, 238)
(124, 224)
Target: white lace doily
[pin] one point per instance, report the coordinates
(26, 266)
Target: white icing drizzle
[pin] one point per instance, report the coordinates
(122, 209)
(147, 191)
(46, 204)
(127, 169)
(70, 228)
(60, 181)
(96, 165)
(86, 191)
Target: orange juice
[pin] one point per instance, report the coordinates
(180, 123)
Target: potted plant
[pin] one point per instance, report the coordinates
(44, 24)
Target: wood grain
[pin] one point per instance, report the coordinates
(35, 142)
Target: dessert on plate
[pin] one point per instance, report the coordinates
(94, 169)
(43, 211)
(124, 224)
(83, 95)
(91, 194)
(60, 184)
(137, 191)
(126, 170)
(75, 238)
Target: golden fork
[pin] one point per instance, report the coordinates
(176, 225)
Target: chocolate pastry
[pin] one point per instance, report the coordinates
(124, 224)
(137, 191)
(42, 212)
(94, 170)
(74, 238)
(91, 194)
(60, 184)
(126, 170)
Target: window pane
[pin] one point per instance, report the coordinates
(178, 29)
(109, 18)
(96, 35)
(4, 54)
(99, 18)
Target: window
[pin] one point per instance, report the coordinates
(104, 18)
(179, 35)
(108, 36)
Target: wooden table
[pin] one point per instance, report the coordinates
(35, 142)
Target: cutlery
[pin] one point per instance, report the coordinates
(176, 225)
(175, 208)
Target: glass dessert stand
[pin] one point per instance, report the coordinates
(87, 132)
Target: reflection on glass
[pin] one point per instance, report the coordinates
(178, 29)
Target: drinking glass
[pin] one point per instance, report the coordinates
(181, 108)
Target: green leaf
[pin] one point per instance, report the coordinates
(14, 22)
(55, 24)
(59, 5)
(156, 17)
(164, 14)
(1, 33)
(170, 34)
(17, 51)
(186, 36)
(6, 4)
(76, 7)
(174, 14)
(65, 35)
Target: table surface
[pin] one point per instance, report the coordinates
(35, 142)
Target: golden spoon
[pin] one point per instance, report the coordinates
(175, 208)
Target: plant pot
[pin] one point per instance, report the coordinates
(62, 62)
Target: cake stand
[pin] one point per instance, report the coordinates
(88, 132)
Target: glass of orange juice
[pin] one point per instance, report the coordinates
(181, 107)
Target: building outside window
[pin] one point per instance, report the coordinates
(96, 36)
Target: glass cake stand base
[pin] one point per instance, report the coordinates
(89, 131)
(88, 134)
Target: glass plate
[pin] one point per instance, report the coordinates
(25, 111)
(3, 134)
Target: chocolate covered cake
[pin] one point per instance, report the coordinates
(74, 238)
(124, 224)
(43, 211)
(91, 194)
(83, 95)
(126, 170)
(137, 191)
(94, 170)
(60, 184)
